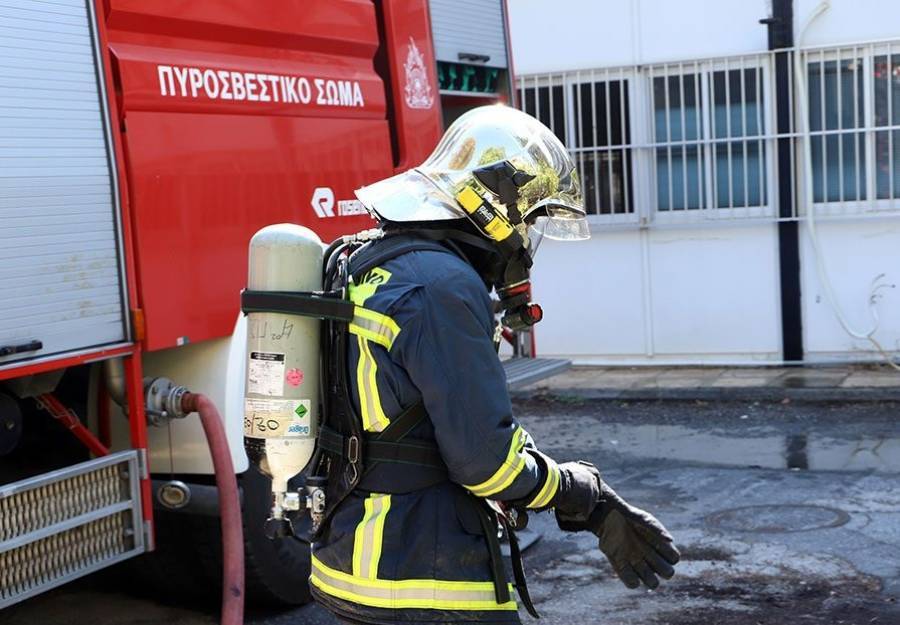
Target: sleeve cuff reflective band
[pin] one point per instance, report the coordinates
(510, 468)
(548, 490)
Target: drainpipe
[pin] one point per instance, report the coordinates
(781, 37)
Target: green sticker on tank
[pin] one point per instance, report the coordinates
(301, 410)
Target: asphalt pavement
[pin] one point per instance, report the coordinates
(786, 512)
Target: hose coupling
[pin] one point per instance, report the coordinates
(163, 400)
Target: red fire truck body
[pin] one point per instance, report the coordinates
(148, 140)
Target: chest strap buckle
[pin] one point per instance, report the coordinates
(353, 450)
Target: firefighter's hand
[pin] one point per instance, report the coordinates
(636, 544)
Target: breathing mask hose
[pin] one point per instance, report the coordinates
(229, 507)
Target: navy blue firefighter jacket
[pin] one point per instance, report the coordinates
(424, 330)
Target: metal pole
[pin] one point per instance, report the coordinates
(781, 37)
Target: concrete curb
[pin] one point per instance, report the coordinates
(713, 393)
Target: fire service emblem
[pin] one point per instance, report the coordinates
(418, 89)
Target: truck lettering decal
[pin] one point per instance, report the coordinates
(181, 75)
(332, 91)
(320, 91)
(220, 84)
(226, 88)
(273, 83)
(237, 85)
(196, 77)
(210, 84)
(263, 88)
(250, 82)
(288, 83)
(304, 91)
(165, 79)
(345, 88)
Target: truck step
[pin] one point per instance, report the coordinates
(523, 371)
(58, 526)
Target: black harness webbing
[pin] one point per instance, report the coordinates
(488, 522)
(387, 445)
(515, 555)
(403, 424)
(326, 305)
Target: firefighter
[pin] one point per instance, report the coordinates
(412, 536)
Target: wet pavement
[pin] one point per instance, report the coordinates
(786, 512)
(796, 521)
(819, 383)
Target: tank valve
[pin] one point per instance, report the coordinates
(287, 506)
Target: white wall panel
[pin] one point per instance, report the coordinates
(848, 21)
(591, 295)
(712, 293)
(583, 34)
(715, 291)
(854, 255)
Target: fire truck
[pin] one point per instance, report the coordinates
(142, 143)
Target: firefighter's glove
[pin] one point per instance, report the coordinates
(636, 544)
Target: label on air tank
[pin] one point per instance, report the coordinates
(276, 418)
(265, 374)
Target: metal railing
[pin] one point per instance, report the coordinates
(696, 140)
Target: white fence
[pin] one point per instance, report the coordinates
(695, 140)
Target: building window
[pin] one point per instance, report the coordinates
(593, 122)
(738, 129)
(551, 110)
(836, 121)
(602, 140)
(886, 71)
(677, 123)
(708, 129)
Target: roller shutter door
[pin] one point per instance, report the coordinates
(463, 27)
(60, 263)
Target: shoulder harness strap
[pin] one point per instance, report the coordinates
(391, 246)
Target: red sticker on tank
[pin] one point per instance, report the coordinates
(294, 377)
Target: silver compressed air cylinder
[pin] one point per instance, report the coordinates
(281, 399)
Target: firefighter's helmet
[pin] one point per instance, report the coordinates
(511, 160)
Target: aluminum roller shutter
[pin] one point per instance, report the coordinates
(469, 26)
(60, 264)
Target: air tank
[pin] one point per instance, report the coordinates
(281, 400)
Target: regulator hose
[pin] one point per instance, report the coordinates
(229, 507)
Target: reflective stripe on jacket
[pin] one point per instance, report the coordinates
(423, 329)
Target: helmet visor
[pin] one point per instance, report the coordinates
(559, 224)
(560, 215)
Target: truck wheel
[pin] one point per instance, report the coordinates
(188, 555)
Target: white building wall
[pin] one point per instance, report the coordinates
(854, 255)
(584, 34)
(847, 21)
(701, 293)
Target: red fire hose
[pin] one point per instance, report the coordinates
(229, 507)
